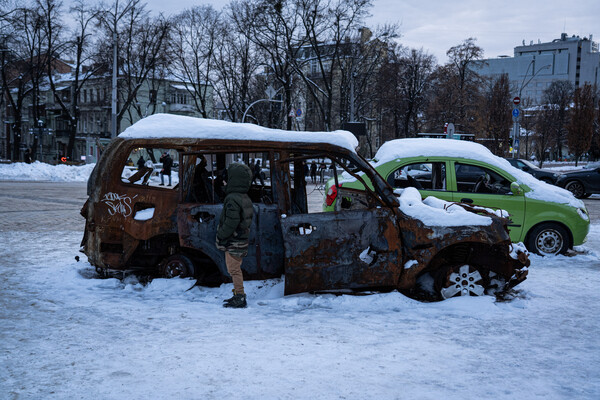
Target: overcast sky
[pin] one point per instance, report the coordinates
(437, 25)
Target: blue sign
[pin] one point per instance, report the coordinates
(515, 112)
(516, 143)
(299, 112)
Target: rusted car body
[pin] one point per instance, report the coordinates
(363, 246)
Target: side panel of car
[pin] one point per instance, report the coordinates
(198, 227)
(345, 249)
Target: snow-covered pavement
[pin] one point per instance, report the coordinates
(65, 334)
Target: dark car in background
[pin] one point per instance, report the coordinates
(582, 183)
(542, 174)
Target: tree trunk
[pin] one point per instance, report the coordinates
(71, 144)
(17, 142)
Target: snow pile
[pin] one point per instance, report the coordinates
(435, 212)
(159, 126)
(39, 171)
(404, 148)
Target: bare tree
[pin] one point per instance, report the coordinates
(78, 45)
(23, 67)
(558, 96)
(494, 113)
(457, 87)
(328, 26)
(274, 27)
(416, 68)
(544, 138)
(195, 35)
(581, 126)
(141, 47)
(236, 63)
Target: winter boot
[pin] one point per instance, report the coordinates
(238, 301)
(231, 298)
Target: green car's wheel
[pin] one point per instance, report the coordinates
(548, 239)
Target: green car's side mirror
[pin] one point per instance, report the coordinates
(516, 189)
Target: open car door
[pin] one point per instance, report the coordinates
(349, 249)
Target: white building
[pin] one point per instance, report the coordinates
(535, 66)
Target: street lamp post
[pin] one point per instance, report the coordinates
(270, 92)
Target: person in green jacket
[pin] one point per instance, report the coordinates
(234, 228)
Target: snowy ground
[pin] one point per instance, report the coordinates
(65, 334)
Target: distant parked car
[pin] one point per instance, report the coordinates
(546, 218)
(542, 174)
(582, 183)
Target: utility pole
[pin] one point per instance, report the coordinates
(113, 103)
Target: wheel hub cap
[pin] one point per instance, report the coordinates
(464, 283)
(549, 242)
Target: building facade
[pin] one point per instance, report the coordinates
(535, 66)
(50, 131)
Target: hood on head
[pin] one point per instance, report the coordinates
(239, 178)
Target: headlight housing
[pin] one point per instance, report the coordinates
(583, 214)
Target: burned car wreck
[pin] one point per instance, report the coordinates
(134, 223)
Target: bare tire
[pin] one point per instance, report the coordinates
(177, 265)
(576, 188)
(548, 239)
(461, 280)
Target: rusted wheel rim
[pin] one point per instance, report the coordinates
(549, 242)
(467, 281)
(175, 268)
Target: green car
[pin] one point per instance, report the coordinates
(547, 219)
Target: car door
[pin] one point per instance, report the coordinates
(497, 195)
(198, 220)
(342, 249)
(358, 246)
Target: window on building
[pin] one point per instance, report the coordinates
(84, 96)
(179, 97)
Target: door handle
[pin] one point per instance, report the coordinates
(466, 200)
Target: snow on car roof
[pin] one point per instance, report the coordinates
(404, 148)
(159, 126)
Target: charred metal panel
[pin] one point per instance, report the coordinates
(350, 249)
(198, 228)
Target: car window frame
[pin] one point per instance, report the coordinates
(511, 179)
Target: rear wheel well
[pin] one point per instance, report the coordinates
(149, 254)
